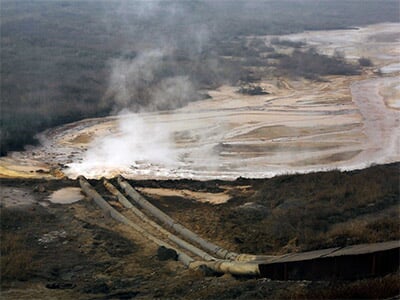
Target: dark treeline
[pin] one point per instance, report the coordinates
(55, 55)
(311, 65)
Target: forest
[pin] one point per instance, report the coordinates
(57, 57)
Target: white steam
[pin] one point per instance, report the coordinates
(133, 143)
(151, 80)
(136, 141)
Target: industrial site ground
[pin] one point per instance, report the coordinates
(174, 95)
(74, 251)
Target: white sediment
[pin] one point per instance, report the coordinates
(346, 123)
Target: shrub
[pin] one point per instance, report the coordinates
(287, 43)
(252, 90)
(310, 63)
(365, 62)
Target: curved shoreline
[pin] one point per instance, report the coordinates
(301, 127)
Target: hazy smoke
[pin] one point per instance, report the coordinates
(143, 83)
(201, 37)
(148, 80)
(136, 86)
(131, 77)
(139, 84)
(172, 92)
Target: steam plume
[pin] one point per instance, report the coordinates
(146, 81)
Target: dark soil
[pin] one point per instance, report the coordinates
(90, 256)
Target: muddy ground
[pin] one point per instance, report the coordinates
(73, 251)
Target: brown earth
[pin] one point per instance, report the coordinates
(73, 251)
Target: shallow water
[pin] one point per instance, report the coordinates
(66, 196)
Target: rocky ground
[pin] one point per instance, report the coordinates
(72, 251)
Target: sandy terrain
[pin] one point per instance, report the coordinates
(301, 126)
(213, 198)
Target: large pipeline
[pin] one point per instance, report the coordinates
(220, 266)
(286, 266)
(109, 210)
(193, 237)
(167, 220)
(181, 243)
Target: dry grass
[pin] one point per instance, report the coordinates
(16, 257)
(362, 231)
(312, 211)
(375, 288)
